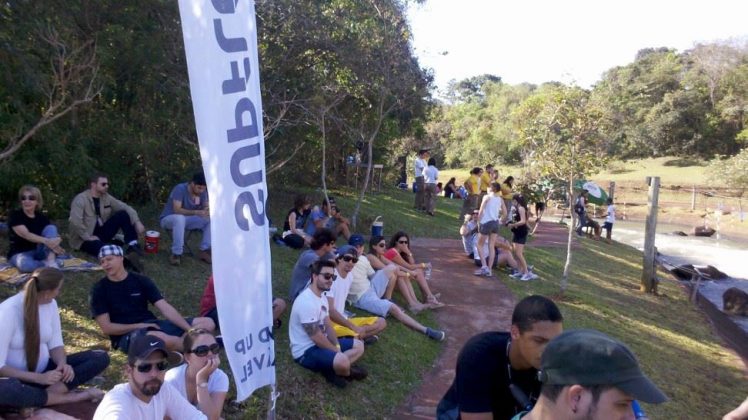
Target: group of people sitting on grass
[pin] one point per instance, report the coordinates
(302, 221)
(96, 218)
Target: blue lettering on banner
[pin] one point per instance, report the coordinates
(254, 200)
(256, 362)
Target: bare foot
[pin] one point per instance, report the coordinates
(95, 394)
(417, 308)
(49, 414)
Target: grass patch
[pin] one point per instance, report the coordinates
(672, 339)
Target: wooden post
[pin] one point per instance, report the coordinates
(648, 281)
(693, 198)
(612, 190)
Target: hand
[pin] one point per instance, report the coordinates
(149, 325)
(92, 238)
(210, 366)
(52, 242)
(67, 372)
(139, 227)
(49, 378)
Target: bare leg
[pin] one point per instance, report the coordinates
(481, 242)
(519, 253)
(279, 306)
(409, 322)
(491, 249)
(90, 394)
(373, 329)
(425, 290)
(406, 289)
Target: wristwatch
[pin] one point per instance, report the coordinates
(203, 385)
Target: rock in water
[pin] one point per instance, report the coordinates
(735, 302)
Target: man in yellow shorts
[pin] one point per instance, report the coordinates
(363, 328)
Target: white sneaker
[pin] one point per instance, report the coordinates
(528, 277)
(487, 272)
(478, 272)
(516, 275)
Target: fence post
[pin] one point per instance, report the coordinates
(693, 198)
(612, 190)
(649, 271)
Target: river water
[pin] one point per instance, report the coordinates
(728, 255)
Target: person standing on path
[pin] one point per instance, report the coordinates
(430, 176)
(420, 166)
(491, 208)
(497, 369)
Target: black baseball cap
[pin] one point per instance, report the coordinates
(142, 346)
(588, 358)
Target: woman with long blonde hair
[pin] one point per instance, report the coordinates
(34, 241)
(35, 371)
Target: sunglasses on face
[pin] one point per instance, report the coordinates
(381, 245)
(28, 198)
(403, 241)
(329, 276)
(104, 184)
(348, 258)
(146, 367)
(203, 350)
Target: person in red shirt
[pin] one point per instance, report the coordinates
(399, 253)
(208, 307)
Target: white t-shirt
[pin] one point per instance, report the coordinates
(362, 273)
(339, 291)
(307, 308)
(491, 208)
(611, 217)
(420, 165)
(217, 382)
(430, 175)
(12, 337)
(121, 403)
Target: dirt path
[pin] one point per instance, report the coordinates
(473, 305)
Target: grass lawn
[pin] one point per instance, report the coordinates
(672, 339)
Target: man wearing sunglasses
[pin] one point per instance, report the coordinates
(96, 216)
(145, 396)
(314, 344)
(322, 246)
(364, 328)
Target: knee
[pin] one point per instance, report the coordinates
(50, 231)
(205, 323)
(381, 323)
(279, 306)
(341, 362)
(358, 345)
(100, 359)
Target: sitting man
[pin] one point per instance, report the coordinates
(588, 375)
(314, 344)
(187, 209)
(145, 395)
(96, 216)
(469, 234)
(368, 286)
(209, 309)
(328, 216)
(322, 246)
(363, 328)
(119, 304)
(496, 374)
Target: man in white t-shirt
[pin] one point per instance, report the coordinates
(314, 343)
(145, 396)
(368, 286)
(363, 328)
(420, 166)
(610, 218)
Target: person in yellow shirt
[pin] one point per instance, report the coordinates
(486, 179)
(473, 188)
(507, 191)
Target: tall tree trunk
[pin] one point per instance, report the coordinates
(567, 265)
(370, 142)
(324, 159)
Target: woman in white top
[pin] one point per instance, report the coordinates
(199, 380)
(34, 368)
(430, 176)
(491, 208)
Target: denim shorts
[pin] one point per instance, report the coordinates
(321, 360)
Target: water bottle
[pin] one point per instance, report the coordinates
(639, 413)
(427, 271)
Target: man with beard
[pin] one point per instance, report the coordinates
(145, 396)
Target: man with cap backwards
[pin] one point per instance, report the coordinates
(364, 328)
(369, 286)
(496, 373)
(314, 344)
(145, 395)
(420, 165)
(119, 304)
(588, 375)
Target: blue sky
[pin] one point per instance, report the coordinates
(564, 40)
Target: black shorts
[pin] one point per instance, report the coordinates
(539, 207)
(519, 235)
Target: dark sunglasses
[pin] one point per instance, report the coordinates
(348, 258)
(329, 276)
(104, 184)
(28, 198)
(203, 350)
(382, 245)
(146, 367)
(402, 242)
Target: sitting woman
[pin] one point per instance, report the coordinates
(34, 368)
(293, 228)
(34, 241)
(451, 190)
(377, 246)
(399, 253)
(199, 379)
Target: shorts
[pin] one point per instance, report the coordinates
(122, 342)
(519, 235)
(608, 226)
(489, 227)
(321, 360)
(371, 301)
(359, 321)
(539, 207)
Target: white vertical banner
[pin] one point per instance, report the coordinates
(220, 40)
